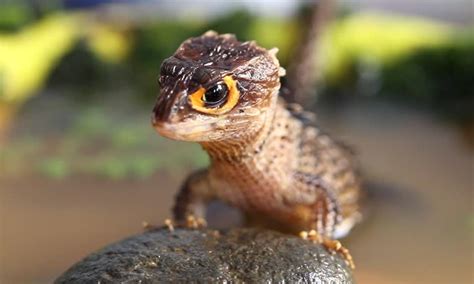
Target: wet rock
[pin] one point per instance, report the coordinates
(238, 255)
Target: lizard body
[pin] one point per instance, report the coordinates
(266, 156)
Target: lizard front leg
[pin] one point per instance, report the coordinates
(192, 199)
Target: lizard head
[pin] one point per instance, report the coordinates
(216, 88)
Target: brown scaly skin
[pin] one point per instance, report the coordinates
(266, 159)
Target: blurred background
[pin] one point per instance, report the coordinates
(81, 166)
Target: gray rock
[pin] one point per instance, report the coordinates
(238, 255)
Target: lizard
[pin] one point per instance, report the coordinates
(267, 157)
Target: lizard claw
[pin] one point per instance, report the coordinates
(169, 224)
(148, 227)
(193, 222)
(334, 246)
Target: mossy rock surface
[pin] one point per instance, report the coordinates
(184, 255)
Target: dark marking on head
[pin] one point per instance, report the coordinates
(223, 52)
(203, 62)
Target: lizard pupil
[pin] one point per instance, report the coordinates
(215, 95)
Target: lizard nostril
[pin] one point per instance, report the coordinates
(168, 108)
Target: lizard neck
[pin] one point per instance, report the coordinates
(247, 146)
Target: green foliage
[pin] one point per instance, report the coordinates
(438, 77)
(283, 35)
(56, 168)
(441, 77)
(83, 72)
(239, 23)
(103, 142)
(13, 16)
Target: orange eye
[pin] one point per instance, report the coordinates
(218, 99)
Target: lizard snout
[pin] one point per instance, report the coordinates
(170, 107)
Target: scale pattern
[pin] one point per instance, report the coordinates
(295, 174)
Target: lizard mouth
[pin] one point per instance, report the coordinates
(186, 131)
(201, 131)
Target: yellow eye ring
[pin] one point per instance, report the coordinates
(197, 99)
